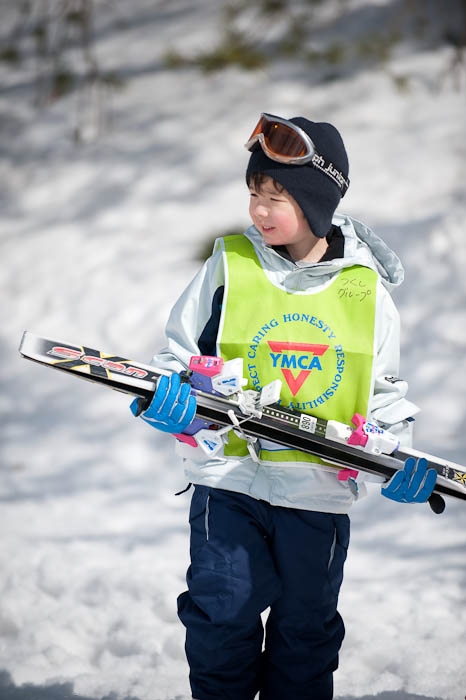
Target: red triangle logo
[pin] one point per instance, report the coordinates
(295, 383)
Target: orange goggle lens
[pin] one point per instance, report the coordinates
(280, 139)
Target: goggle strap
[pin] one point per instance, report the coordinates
(327, 168)
(317, 161)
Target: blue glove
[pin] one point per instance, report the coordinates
(172, 408)
(412, 484)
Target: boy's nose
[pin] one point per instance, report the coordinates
(261, 210)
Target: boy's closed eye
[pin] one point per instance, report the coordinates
(272, 199)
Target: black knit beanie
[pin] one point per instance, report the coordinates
(315, 192)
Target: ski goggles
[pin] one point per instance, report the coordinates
(285, 142)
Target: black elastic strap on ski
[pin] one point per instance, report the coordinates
(142, 405)
(178, 493)
(437, 503)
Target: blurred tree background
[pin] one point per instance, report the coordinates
(325, 41)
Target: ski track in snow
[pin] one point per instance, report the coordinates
(98, 242)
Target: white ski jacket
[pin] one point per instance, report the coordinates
(304, 486)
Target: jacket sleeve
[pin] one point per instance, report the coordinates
(389, 406)
(190, 315)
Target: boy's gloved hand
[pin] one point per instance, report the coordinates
(412, 484)
(173, 407)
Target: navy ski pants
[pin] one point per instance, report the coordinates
(247, 556)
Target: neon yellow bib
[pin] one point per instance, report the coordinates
(320, 344)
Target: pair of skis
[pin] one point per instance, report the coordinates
(221, 402)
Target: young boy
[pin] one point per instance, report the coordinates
(302, 297)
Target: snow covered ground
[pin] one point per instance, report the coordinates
(97, 243)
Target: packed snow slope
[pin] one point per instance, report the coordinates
(98, 240)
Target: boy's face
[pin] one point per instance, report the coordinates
(278, 217)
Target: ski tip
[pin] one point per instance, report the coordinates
(437, 503)
(24, 338)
